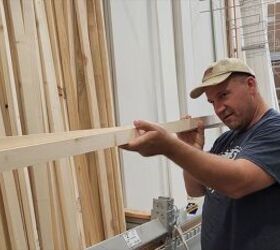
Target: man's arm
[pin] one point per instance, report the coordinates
(196, 139)
(193, 187)
(234, 178)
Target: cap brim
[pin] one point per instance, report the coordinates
(196, 92)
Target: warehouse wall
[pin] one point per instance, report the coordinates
(146, 81)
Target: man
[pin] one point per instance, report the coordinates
(240, 175)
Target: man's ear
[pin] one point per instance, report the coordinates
(251, 80)
(251, 83)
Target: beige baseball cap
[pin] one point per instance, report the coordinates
(218, 72)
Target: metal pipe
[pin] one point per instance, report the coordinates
(213, 30)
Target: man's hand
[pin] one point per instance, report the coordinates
(151, 139)
(195, 137)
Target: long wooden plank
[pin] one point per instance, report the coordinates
(103, 111)
(3, 220)
(11, 202)
(66, 180)
(53, 106)
(34, 112)
(11, 208)
(21, 177)
(85, 165)
(51, 91)
(12, 199)
(94, 114)
(4, 232)
(116, 190)
(20, 151)
(60, 233)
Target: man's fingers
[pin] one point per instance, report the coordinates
(144, 132)
(200, 126)
(124, 146)
(138, 142)
(141, 140)
(129, 146)
(144, 125)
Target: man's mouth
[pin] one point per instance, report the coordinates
(227, 116)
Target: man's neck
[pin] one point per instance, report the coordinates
(260, 110)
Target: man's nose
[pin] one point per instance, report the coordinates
(219, 108)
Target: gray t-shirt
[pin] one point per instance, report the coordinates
(251, 222)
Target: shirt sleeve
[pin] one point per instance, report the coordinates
(263, 149)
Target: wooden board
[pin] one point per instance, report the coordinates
(94, 114)
(66, 179)
(20, 151)
(104, 92)
(11, 204)
(19, 207)
(26, 42)
(137, 214)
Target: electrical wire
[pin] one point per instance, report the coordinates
(181, 234)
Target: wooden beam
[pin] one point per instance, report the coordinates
(101, 167)
(19, 206)
(106, 111)
(4, 232)
(20, 151)
(28, 60)
(89, 195)
(137, 214)
(11, 204)
(66, 179)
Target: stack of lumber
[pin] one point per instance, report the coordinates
(55, 77)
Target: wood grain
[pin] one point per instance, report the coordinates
(20, 151)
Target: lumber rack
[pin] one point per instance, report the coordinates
(169, 229)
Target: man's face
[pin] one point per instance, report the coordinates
(233, 101)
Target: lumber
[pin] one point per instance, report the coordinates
(103, 113)
(4, 234)
(94, 114)
(19, 202)
(3, 221)
(68, 203)
(85, 164)
(20, 151)
(24, 24)
(64, 57)
(93, 232)
(11, 204)
(104, 51)
(68, 194)
(105, 105)
(54, 108)
(131, 213)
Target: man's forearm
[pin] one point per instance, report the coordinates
(193, 187)
(208, 169)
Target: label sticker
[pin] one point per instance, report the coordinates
(131, 238)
